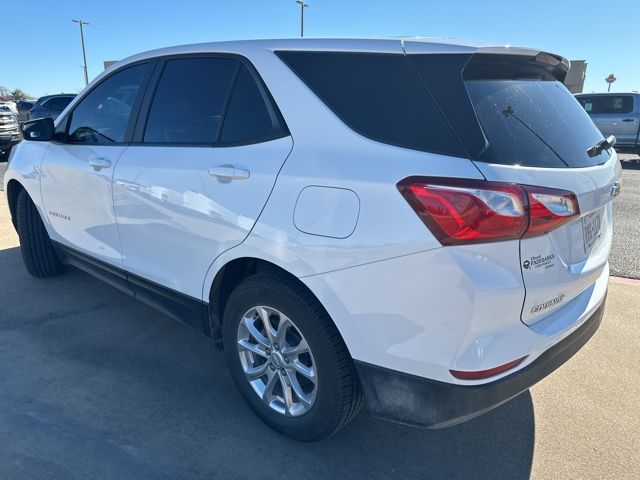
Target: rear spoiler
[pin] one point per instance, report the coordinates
(506, 63)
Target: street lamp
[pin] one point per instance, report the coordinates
(302, 7)
(82, 23)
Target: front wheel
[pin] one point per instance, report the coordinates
(288, 359)
(38, 253)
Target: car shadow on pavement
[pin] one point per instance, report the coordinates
(95, 384)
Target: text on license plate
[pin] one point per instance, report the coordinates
(591, 227)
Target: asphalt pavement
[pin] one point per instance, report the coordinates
(625, 252)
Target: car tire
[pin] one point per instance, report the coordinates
(38, 253)
(335, 395)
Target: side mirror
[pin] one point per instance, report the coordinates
(38, 130)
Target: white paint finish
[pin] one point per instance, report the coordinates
(175, 219)
(450, 308)
(23, 166)
(327, 212)
(387, 226)
(78, 199)
(572, 270)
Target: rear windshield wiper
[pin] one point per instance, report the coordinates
(510, 112)
(604, 144)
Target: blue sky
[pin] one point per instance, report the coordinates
(41, 46)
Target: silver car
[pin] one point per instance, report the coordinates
(615, 114)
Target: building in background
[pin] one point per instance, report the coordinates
(576, 75)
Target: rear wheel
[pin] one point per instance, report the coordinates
(38, 253)
(288, 359)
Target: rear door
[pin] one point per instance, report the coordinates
(203, 163)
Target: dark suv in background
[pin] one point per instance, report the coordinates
(50, 106)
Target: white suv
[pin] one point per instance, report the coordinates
(424, 226)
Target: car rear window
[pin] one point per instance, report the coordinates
(517, 103)
(377, 95)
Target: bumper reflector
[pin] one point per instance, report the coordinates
(479, 374)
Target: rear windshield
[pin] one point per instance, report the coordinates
(533, 123)
(511, 109)
(377, 95)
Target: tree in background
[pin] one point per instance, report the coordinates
(18, 94)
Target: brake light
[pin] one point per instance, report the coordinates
(549, 208)
(463, 211)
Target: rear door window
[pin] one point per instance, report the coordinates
(189, 101)
(377, 95)
(617, 105)
(250, 117)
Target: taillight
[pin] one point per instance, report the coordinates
(549, 208)
(463, 211)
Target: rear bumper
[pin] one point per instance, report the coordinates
(419, 401)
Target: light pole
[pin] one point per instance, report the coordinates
(82, 23)
(302, 7)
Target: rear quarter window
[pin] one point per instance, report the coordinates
(377, 95)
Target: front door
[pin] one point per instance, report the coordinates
(77, 173)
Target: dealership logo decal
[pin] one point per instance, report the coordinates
(540, 262)
(547, 304)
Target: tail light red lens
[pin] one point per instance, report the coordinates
(462, 211)
(549, 208)
(480, 374)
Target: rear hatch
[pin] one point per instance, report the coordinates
(520, 124)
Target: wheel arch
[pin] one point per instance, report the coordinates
(229, 276)
(14, 187)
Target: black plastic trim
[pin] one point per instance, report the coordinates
(184, 308)
(418, 401)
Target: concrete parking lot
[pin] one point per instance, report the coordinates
(96, 385)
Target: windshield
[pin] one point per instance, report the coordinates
(533, 123)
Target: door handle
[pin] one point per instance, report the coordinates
(229, 172)
(99, 163)
(628, 119)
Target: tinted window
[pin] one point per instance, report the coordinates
(57, 103)
(590, 104)
(607, 104)
(249, 117)
(189, 100)
(378, 96)
(103, 115)
(533, 123)
(616, 105)
(511, 109)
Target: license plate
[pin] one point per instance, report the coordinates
(591, 228)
